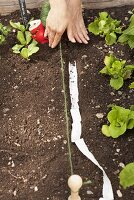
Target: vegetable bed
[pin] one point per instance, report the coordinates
(33, 144)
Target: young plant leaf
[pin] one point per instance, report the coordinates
(103, 15)
(131, 85)
(17, 26)
(27, 45)
(116, 131)
(4, 31)
(127, 36)
(24, 53)
(127, 176)
(117, 70)
(28, 37)
(120, 120)
(2, 39)
(106, 27)
(130, 124)
(108, 60)
(94, 28)
(105, 130)
(16, 48)
(111, 38)
(116, 83)
(21, 38)
(32, 49)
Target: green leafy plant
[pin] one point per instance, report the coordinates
(120, 120)
(27, 46)
(105, 26)
(131, 86)
(127, 36)
(117, 70)
(126, 176)
(44, 12)
(4, 31)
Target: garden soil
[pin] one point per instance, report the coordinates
(33, 142)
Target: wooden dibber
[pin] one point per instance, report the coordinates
(74, 183)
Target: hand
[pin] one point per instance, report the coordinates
(76, 29)
(56, 22)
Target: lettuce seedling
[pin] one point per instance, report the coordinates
(4, 31)
(117, 70)
(120, 120)
(126, 176)
(107, 27)
(131, 86)
(127, 36)
(27, 46)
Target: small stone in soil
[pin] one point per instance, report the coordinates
(111, 52)
(17, 144)
(130, 12)
(35, 188)
(126, 18)
(118, 150)
(16, 87)
(14, 192)
(12, 164)
(52, 88)
(89, 192)
(99, 115)
(119, 92)
(112, 93)
(84, 56)
(117, 99)
(64, 141)
(119, 193)
(86, 67)
(117, 172)
(97, 106)
(105, 45)
(121, 165)
(5, 110)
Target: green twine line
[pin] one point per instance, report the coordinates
(66, 110)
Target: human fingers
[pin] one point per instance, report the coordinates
(51, 37)
(56, 40)
(82, 37)
(70, 35)
(84, 31)
(77, 38)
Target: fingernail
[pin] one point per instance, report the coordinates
(73, 40)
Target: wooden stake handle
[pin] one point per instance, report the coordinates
(74, 183)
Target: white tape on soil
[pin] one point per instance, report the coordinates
(77, 130)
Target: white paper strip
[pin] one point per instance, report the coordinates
(77, 130)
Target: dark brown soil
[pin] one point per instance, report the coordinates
(33, 144)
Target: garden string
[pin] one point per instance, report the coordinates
(66, 110)
(66, 115)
